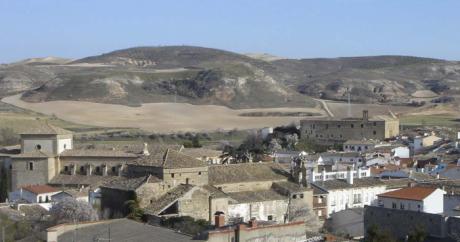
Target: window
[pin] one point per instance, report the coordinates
(419, 207)
(199, 173)
(38, 147)
(357, 198)
(327, 126)
(172, 175)
(65, 146)
(393, 205)
(114, 169)
(187, 181)
(47, 199)
(375, 123)
(270, 217)
(66, 168)
(374, 132)
(98, 169)
(294, 196)
(362, 125)
(40, 200)
(82, 169)
(301, 195)
(401, 206)
(352, 125)
(31, 166)
(338, 125)
(320, 199)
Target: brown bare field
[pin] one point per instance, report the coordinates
(340, 109)
(160, 117)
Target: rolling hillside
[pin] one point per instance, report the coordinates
(200, 75)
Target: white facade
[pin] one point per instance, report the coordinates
(325, 176)
(401, 152)
(50, 144)
(64, 144)
(267, 210)
(30, 196)
(433, 203)
(341, 199)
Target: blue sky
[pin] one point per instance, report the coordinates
(296, 28)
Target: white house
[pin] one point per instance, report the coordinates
(421, 199)
(34, 194)
(349, 192)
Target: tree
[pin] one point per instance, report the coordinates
(417, 235)
(274, 146)
(70, 210)
(290, 141)
(374, 234)
(8, 137)
(135, 212)
(301, 212)
(4, 184)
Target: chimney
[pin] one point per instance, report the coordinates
(219, 219)
(365, 115)
(349, 175)
(253, 223)
(145, 151)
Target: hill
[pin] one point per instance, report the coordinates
(200, 75)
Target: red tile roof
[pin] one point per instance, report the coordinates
(410, 193)
(40, 189)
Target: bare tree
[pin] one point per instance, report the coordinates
(71, 210)
(301, 212)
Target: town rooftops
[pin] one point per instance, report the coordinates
(338, 184)
(166, 200)
(246, 172)
(33, 154)
(96, 153)
(201, 152)
(361, 142)
(44, 128)
(131, 184)
(120, 230)
(171, 159)
(256, 196)
(409, 193)
(40, 189)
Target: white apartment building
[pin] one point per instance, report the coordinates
(350, 192)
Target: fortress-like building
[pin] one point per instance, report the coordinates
(339, 130)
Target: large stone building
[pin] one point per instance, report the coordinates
(47, 153)
(339, 130)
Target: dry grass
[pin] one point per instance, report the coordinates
(159, 117)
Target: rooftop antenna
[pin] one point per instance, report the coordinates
(349, 101)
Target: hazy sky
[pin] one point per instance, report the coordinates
(297, 28)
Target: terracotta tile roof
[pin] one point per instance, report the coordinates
(130, 184)
(40, 189)
(410, 193)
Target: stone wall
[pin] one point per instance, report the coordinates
(353, 129)
(21, 174)
(195, 205)
(195, 176)
(399, 223)
(247, 186)
(112, 163)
